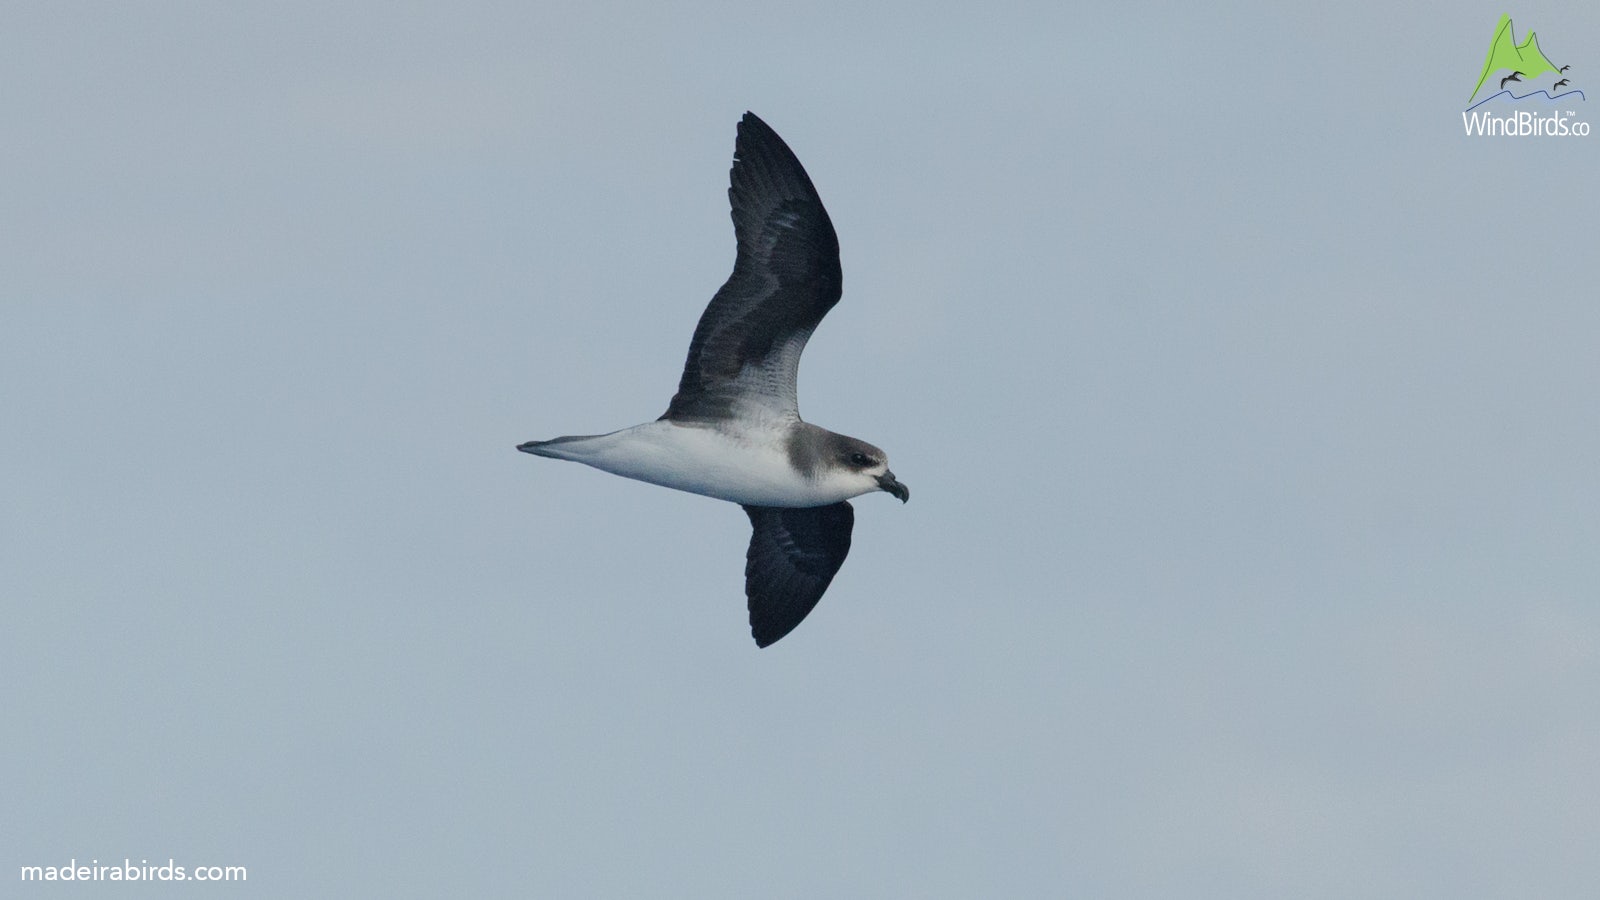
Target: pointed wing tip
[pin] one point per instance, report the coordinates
(754, 130)
(769, 624)
(769, 630)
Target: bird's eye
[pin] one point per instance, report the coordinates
(860, 460)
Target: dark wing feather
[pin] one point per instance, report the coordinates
(793, 556)
(785, 279)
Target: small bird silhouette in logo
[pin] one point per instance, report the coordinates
(1558, 84)
(1563, 69)
(1514, 76)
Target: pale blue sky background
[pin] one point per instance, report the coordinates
(1249, 407)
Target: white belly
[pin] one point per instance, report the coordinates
(753, 470)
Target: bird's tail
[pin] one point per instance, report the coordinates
(561, 447)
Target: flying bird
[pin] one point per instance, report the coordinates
(1559, 84)
(733, 430)
(1514, 76)
(1563, 70)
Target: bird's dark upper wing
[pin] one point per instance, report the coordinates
(793, 555)
(785, 279)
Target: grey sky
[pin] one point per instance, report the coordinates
(1249, 406)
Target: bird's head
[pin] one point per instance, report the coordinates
(864, 467)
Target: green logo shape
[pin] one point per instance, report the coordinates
(1506, 54)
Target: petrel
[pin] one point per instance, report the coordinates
(1514, 76)
(733, 430)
